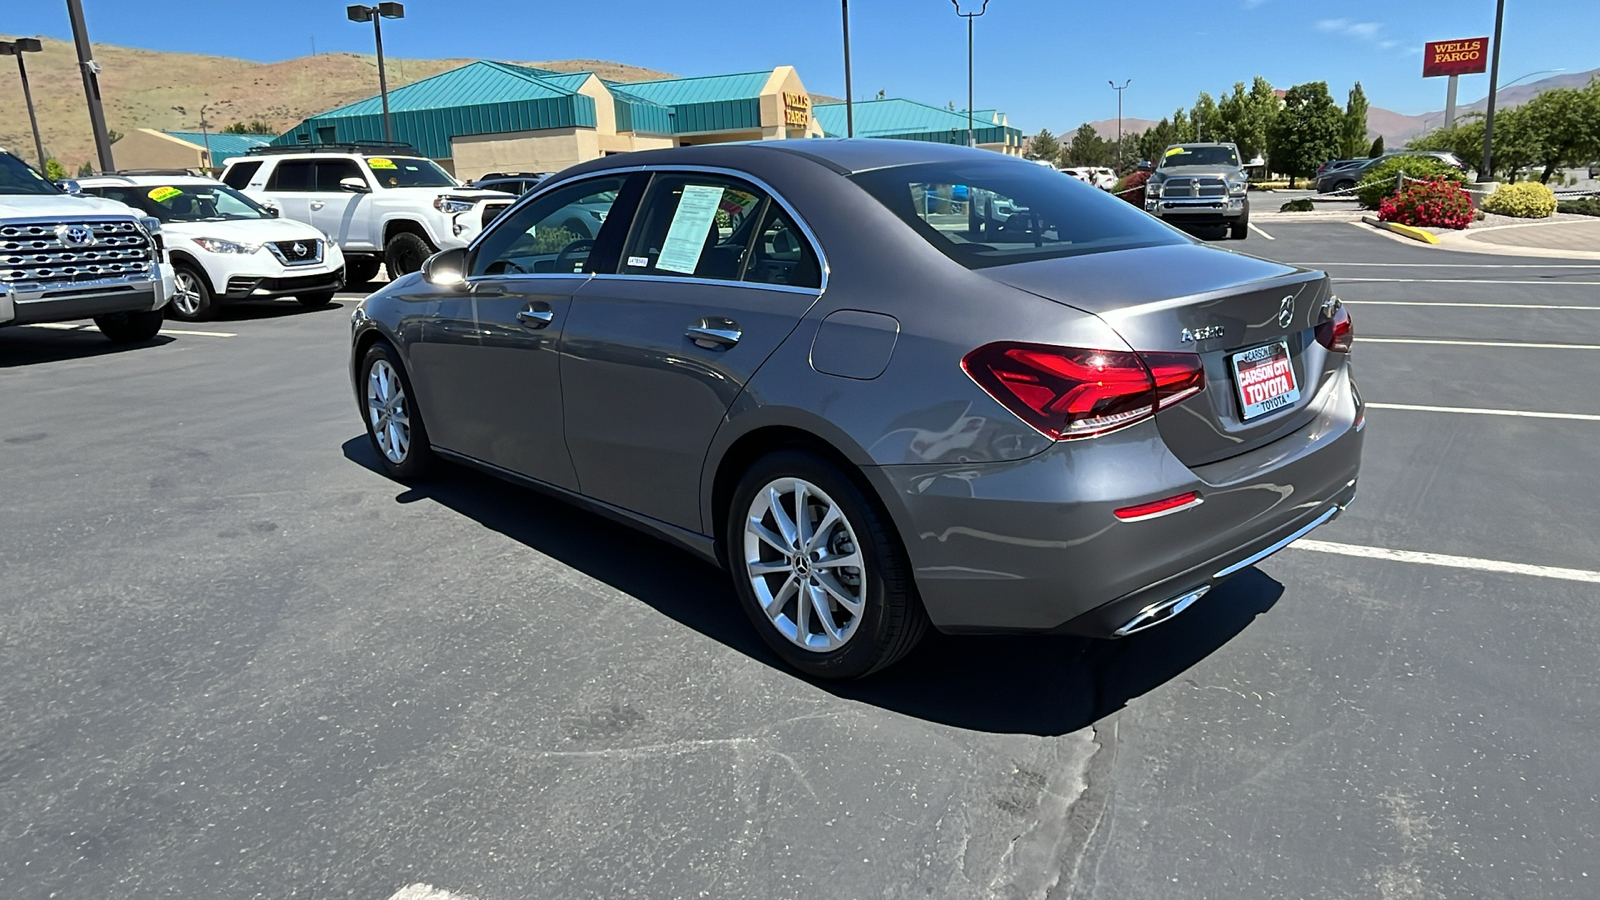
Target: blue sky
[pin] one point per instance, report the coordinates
(1045, 62)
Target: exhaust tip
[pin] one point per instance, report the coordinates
(1156, 613)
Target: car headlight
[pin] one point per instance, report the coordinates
(1237, 188)
(451, 207)
(1152, 189)
(218, 245)
(598, 215)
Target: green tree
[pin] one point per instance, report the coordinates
(1154, 141)
(54, 170)
(1207, 123)
(1377, 148)
(1087, 148)
(85, 170)
(1355, 123)
(1254, 127)
(1043, 146)
(1182, 126)
(1560, 127)
(255, 126)
(1307, 131)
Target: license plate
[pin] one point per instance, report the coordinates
(1265, 379)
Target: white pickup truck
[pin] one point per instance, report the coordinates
(64, 257)
(380, 203)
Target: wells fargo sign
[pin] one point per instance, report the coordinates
(796, 110)
(1466, 57)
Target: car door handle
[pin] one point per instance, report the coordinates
(535, 318)
(318, 204)
(712, 333)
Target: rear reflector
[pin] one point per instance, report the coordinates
(1068, 392)
(1159, 507)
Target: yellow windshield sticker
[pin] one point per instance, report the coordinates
(1175, 151)
(378, 162)
(163, 194)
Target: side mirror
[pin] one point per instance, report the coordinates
(70, 186)
(447, 268)
(354, 186)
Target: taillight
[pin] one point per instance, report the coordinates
(1067, 392)
(1338, 332)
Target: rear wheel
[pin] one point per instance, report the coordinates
(1343, 185)
(393, 423)
(131, 327)
(405, 253)
(191, 301)
(820, 570)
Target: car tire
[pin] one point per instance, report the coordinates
(360, 271)
(315, 301)
(192, 300)
(394, 424)
(1239, 230)
(405, 253)
(765, 560)
(1343, 185)
(131, 327)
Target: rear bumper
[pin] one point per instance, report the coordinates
(85, 300)
(1035, 545)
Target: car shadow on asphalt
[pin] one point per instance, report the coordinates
(24, 346)
(1028, 684)
(248, 310)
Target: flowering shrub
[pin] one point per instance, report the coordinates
(1131, 188)
(1528, 200)
(1439, 203)
(1382, 180)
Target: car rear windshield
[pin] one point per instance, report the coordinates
(996, 212)
(17, 177)
(1199, 156)
(408, 171)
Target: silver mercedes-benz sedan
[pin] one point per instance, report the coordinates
(884, 384)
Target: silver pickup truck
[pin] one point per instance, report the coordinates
(65, 257)
(1198, 185)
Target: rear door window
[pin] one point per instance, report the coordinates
(694, 225)
(782, 254)
(239, 176)
(292, 175)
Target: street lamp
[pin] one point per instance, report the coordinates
(375, 14)
(1485, 173)
(969, 17)
(17, 48)
(849, 101)
(205, 136)
(1119, 91)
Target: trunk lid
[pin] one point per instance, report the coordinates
(1191, 298)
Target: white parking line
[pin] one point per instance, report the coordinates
(1467, 281)
(1453, 562)
(1470, 305)
(1473, 411)
(1524, 346)
(69, 326)
(1257, 230)
(426, 892)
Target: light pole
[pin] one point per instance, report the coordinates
(969, 17)
(1119, 91)
(375, 14)
(205, 136)
(1494, 78)
(17, 48)
(91, 85)
(849, 99)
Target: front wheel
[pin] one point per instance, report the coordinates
(405, 253)
(393, 423)
(131, 327)
(1239, 230)
(820, 570)
(191, 298)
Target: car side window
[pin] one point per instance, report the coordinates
(694, 225)
(331, 171)
(555, 234)
(239, 176)
(782, 254)
(292, 175)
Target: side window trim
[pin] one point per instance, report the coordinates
(758, 218)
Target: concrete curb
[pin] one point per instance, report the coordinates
(1416, 234)
(1462, 242)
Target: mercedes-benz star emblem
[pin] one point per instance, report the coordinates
(299, 249)
(75, 235)
(1285, 312)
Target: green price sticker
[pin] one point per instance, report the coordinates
(163, 194)
(378, 162)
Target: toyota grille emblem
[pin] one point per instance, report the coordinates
(299, 249)
(1285, 312)
(75, 235)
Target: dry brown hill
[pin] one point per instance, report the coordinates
(140, 88)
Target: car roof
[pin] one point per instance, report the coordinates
(109, 180)
(845, 156)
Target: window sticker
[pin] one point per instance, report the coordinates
(163, 194)
(378, 162)
(1176, 150)
(638, 262)
(686, 237)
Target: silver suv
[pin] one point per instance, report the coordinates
(64, 256)
(1200, 184)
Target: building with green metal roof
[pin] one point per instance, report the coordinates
(909, 120)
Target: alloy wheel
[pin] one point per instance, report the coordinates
(805, 564)
(186, 296)
(386, 411)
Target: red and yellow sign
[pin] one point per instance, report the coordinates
(1465, 57)
(796, 110)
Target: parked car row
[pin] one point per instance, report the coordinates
(1099, 176)
(1343, 174)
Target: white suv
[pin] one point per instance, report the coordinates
(380, 203)
(223, 245)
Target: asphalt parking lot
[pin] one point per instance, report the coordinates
(236, 661)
